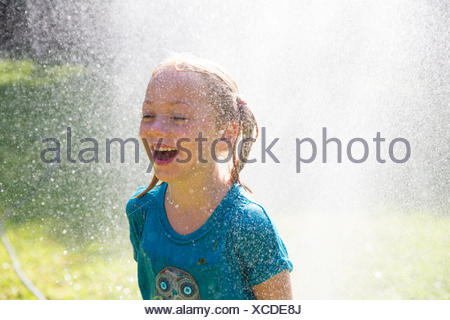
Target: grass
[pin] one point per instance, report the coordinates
(396, 257)
(381, 256)
(38, 101)
(96, 271)
(26, 72)
(408, 257)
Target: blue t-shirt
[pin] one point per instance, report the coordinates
(237, 248)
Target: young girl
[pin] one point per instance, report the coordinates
(197, 235)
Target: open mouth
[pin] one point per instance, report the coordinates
(163, 155)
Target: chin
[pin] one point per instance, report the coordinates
(167, 174)
(164, 176)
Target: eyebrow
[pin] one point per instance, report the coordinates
(147, 101)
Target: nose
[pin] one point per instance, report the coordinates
(158, 128)
(160, 125)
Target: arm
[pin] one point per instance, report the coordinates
(276, 288)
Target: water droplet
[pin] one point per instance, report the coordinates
(378, 274)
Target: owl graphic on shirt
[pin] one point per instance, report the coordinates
(175, 284)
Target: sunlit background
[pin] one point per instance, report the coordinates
(353, 230)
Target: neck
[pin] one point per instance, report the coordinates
(200, 193)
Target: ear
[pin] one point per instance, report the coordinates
(230, 131)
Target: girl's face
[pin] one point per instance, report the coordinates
(178, 125)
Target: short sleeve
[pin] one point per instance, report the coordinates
(261, 251)
(135, 214)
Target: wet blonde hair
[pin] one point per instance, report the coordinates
(224, 96)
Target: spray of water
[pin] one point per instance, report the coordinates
(355, 68)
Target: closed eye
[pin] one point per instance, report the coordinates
(179, 118)
(148, 116)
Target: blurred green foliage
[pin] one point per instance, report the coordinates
(41, 101)
(70, 238)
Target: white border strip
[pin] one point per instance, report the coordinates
(310, 309)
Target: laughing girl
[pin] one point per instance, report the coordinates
(194, 230)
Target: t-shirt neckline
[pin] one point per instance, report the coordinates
(204, 228)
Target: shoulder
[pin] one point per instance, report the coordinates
(135, 204)
(255, 240)
(251, 217)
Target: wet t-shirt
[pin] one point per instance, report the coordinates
(237, 248)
